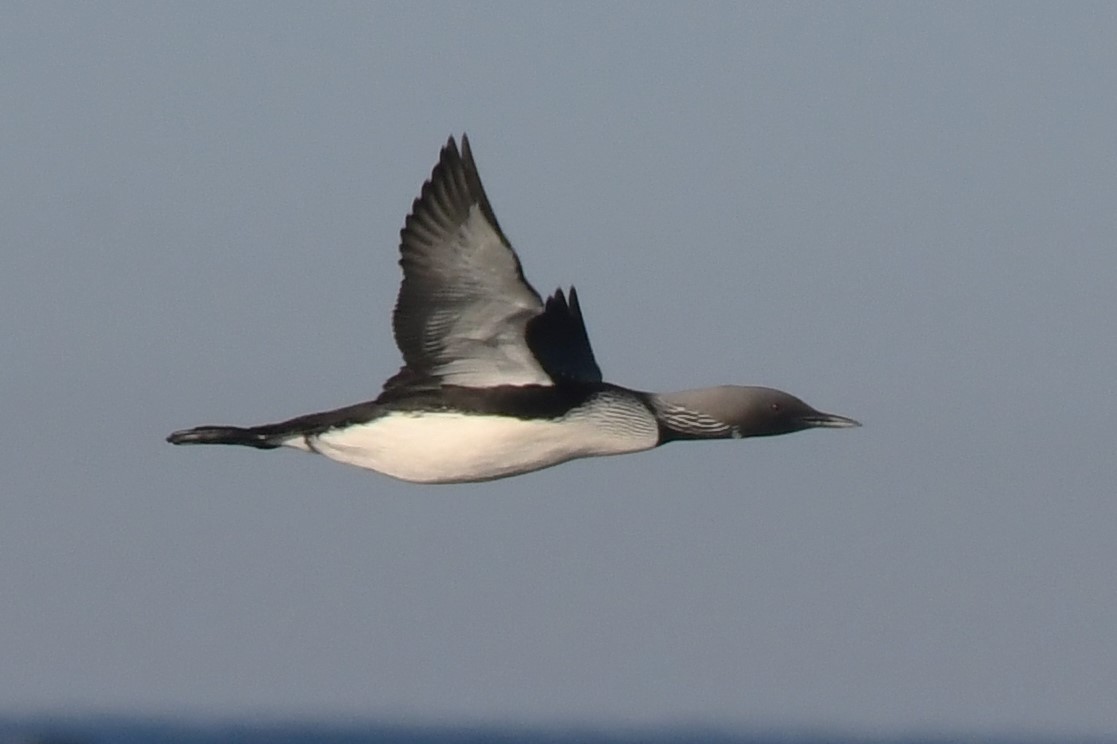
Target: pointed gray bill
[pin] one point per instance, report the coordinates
(830, 421)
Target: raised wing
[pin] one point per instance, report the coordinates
(464, 305)
(559, 341)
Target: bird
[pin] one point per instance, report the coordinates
(496, 381)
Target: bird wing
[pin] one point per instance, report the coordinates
(464, 304)
(558, 339)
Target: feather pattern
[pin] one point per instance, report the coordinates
(464, 305)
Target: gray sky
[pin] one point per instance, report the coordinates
(903, 213)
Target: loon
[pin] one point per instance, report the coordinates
(496, 381)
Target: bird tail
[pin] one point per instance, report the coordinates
(260, 437)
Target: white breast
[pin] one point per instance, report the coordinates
(446, 447)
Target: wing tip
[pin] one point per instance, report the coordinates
(566, 301)
(453, 186)
(464, 151)
(574, 306)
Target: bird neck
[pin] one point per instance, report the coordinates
(678, 420)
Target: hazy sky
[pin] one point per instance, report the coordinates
(903, 213)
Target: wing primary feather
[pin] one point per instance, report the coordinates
(560, 342)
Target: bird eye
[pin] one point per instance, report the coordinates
(775, 406)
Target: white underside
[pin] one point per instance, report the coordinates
(438, 447)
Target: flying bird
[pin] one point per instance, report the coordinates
(496, 381)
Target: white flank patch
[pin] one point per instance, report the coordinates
(444, 447)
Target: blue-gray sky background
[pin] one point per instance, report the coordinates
(903, 213)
